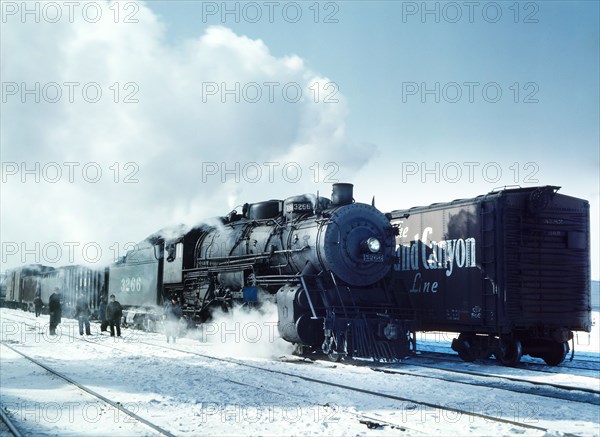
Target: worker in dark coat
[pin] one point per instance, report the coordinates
(55, 310)
(102, 314)
(82, 314)
(114, 312)
(173, 313)
(38, 304)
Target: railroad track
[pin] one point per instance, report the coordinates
(367, 420)
(544, 389)
(517, 378)
(378, 421)
(8, 424)
(593, 369)
(116, 405)
(574, 394)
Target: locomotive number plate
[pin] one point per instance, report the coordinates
(373, 257)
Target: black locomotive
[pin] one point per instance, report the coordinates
(325, 262)
(510, 271)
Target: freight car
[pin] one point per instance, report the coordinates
(23, 283)
(509, 271)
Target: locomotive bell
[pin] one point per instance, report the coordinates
(342, 194)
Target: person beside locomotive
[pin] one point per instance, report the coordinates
(38, 304)
(102, 314)
(173, 314)
(82, 314)
(55, 309)
(114, 312)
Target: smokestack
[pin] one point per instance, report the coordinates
(342, 194)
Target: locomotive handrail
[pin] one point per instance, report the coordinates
(278, 278)
(255, 255)
(219, 268)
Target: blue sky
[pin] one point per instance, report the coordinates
(550, 49)
(377, 46)
(384, 133)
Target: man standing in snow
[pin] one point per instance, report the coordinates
(173, 313)
(102, 314)
(55, 310)
(82, 313)
(37, 303)
(114, 312)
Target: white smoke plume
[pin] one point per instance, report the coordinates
(177, 155)
(245, 333)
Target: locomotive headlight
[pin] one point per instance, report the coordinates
(374, 245)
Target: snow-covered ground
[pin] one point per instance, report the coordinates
(189, 394)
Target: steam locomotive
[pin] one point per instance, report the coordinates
(325, 262)
(510, 271)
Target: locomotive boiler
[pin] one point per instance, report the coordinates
(325, 262)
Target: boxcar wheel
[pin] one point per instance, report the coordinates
(509, 352)
(556, 353)
(465, 348)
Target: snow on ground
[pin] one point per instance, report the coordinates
(192, 395)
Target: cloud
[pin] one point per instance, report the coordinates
(153, 133)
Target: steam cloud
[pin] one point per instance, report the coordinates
(166, 137)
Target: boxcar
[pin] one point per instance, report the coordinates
(509, 271)
(72, 281)
(22, 283)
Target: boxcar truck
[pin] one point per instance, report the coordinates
(509, 271)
